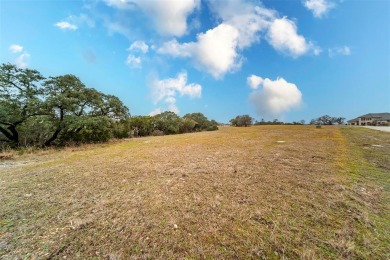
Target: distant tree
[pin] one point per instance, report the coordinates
(167, 122)
(243, 120)
(339, 120)
(202, 122)
(327, 120)
(234, 121)
(187, 125)
(246, 120)
(213, 126)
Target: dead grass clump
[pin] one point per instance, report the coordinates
(6, 155)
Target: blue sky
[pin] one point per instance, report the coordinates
(287, 60)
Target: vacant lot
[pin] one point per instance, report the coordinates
(257, 192)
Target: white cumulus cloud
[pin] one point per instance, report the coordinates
(241, 24)
(139, 46)
(166, 90)
(283, 36)
(318, 7)
(275, 97)
(63, 25)
(248, 19)
(15, 48)
(254, 81)
(215, 51)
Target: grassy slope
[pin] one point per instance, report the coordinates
(237, 192)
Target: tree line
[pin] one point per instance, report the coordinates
(40, 111)
(246, 120)
(168, 123)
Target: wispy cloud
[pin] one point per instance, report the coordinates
(119, 27)
(139, 46)
(137, 50)
(15, 48)
(81, 19)
(63, 25)
(156, 112)
(319, 8)
(169, 17)
(120, 4)
(344, 51)
(134, 61)
(166, 90)
(21, 60)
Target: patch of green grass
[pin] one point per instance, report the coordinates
(369, 170)
(6, 224)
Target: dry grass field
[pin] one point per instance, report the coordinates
(258, 192)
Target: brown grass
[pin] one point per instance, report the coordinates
(234, 193)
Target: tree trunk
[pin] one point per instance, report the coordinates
(55, 134)
(13, 137)
(52, 138)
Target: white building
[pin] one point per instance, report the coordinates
(376, 119)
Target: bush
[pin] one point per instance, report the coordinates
(157, 133)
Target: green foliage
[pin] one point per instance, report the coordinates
(328, 120)
(121, 129)
(86, 129)
(202, 123)
(141, 125)
(244, 120)
(79, 113)
(35, 130)
(20, 99)
(58, 110)
(187, 125)
(167, 122)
